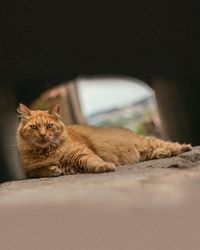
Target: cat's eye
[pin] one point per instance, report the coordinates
(49, 125)
(33, 126)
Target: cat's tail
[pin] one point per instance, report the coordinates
(153, 148)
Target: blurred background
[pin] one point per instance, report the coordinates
(105, 101)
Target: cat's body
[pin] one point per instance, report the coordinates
(49, 148)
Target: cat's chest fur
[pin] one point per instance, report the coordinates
(60, 155)
(41, 155)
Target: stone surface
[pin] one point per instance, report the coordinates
(149, 205)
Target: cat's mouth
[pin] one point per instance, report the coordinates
(43, 141)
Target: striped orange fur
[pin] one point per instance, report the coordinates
(49, 148)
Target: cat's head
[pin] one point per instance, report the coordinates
(39, 128)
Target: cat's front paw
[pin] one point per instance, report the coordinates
(54, 171)
(50, 171)
(106, 167)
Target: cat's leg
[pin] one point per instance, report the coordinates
(50, 171)
(95, 164)
(160, 153)
(168, 149)
(88, 162)
(153, 148)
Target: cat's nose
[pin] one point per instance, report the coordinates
(42, 135)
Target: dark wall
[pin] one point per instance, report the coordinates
(47, 42)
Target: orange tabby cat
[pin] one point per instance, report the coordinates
(49, 148)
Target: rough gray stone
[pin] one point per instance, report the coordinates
(149, 205)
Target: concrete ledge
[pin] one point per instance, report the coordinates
(125, 183)
(149, 205)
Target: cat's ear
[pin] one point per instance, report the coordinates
(54, 110)
(23, 111)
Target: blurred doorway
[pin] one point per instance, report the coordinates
(105, 101)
